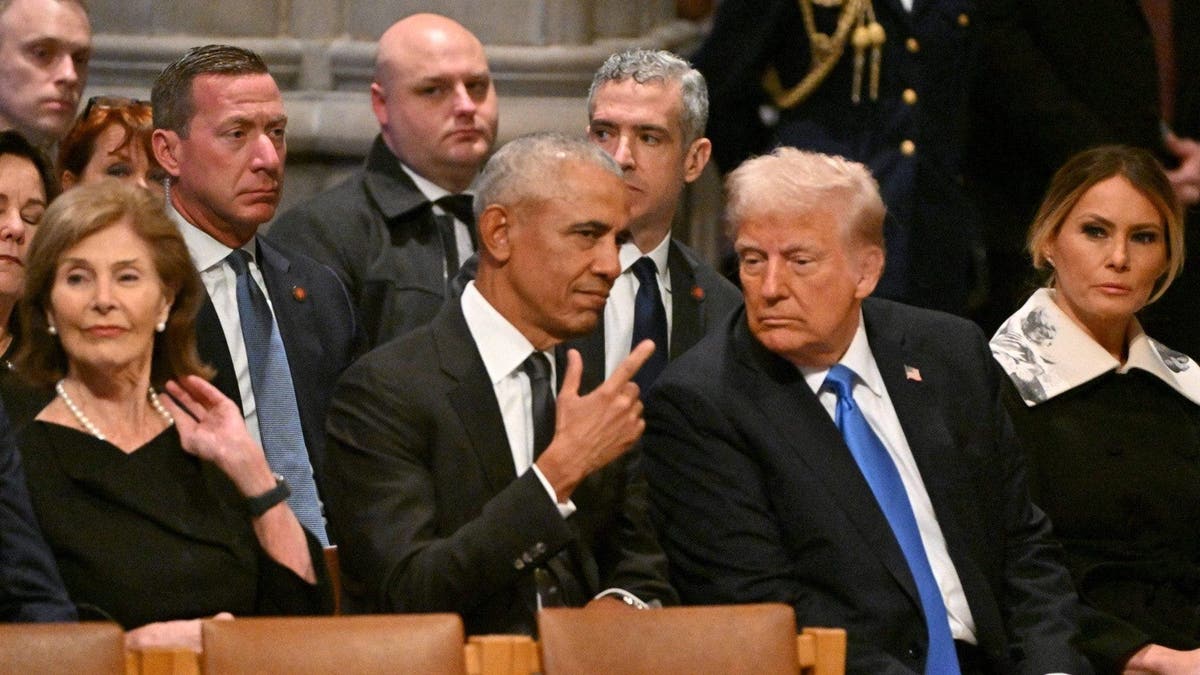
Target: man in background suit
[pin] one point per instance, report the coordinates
(396, 231)
(849, 455)
(220, 133)
(456, 487)
(648, 110)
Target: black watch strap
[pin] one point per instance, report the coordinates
(264, 502)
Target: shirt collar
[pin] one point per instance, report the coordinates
(501, 346)
(206, 251)
(858, 357)
(1045, 353)
(431, 190)
(630, 254)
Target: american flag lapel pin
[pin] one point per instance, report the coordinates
(911, 373)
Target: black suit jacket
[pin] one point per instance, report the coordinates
(379, 233)
(700, 299)
(430, 512)
(30, 586)
(758, 498)
(319, 331)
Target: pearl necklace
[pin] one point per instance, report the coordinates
(87, 423)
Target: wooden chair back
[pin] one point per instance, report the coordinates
(400, 643)
(68, 648)
(733, 639)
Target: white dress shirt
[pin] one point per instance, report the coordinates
(618, 311)
(503, 349)
(220, 280)
(433, 192)
(873, 400)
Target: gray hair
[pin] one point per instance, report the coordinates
(528, 166)
(645, 65)
(799, 182)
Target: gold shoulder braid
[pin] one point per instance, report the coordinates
(826, 51)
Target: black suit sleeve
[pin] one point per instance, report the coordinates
(389, 493)
(30, 587)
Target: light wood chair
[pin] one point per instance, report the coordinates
(399, 643)
(734, 639)
(822, 651)
(51, 648)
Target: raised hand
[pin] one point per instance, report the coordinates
(593, 430)
(211, 427)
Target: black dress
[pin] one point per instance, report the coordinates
(156, 534)
(1115, 462)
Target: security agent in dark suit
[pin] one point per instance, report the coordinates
(391, 231)
(441, 493)
(851, 456)
(648, 110)
(220, 133)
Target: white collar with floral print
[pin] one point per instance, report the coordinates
(1046, 353)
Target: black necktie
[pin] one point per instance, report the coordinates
(537, 368)
(459, 206)
(649, 322)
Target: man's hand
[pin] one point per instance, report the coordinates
(591, 431)
(1185, 178)
(181, 634)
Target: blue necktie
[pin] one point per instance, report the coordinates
(649, 322)
(881, 474)
(275, 398)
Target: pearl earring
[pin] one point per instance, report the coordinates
(162, 326)
(52, 330)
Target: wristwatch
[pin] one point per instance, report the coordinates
(264, 502)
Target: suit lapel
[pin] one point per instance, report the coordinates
(914, 382)
(591, 348)
(686, 328)
(214, 350)
(473, 398)
(810, 435)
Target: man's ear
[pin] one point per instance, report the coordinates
(379, 103)
(165, 143)
(495, 225)
(696, 159)
(870, 269)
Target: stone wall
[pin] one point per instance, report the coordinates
(542, 54)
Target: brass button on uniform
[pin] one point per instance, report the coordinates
(964, 20)
(907, 147)
(909, 96)
(912, 45)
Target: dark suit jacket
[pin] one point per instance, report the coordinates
(758, 498)
(30, 587)
(932, 233)
(377, 231)
(1060, 77)
(319, 331)
(430, 513)
(700, 299)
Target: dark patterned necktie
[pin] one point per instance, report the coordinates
(275, 398)
(649, 322)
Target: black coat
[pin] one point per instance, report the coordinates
(759, 500)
